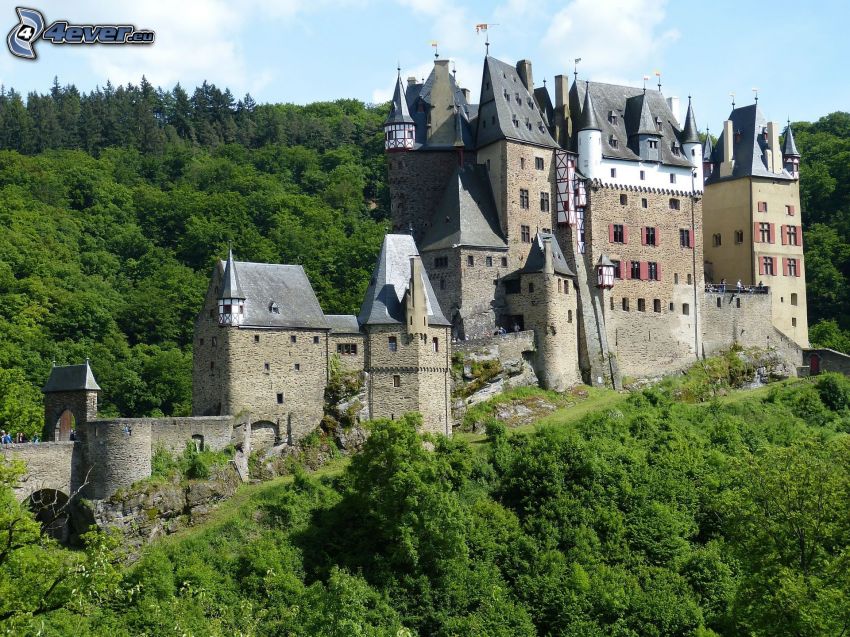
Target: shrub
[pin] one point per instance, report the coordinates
(834, 391)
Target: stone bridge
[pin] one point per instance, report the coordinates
(50, 465)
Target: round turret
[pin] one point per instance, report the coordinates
(399, 129)
(589, 139)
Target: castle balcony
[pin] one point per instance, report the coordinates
(732, 288)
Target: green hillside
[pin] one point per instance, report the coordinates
(647, 515)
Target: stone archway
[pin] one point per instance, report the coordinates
(61, 421)
(51, 508)
(264, 435)
(65, 424)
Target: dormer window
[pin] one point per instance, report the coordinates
(530, 103)
(676, 149)
(658, 124)
(653, 143)
(518, 99)
(507, 95)
(612, 142)
(274, 308)
(612, 118)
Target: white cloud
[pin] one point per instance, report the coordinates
(618, 40)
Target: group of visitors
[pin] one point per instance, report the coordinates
(6, 438)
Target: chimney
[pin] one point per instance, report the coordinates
(774, 153)
(561, 90)
(548, 260)
(675, 108)
(523, 69)
(466, 95)
(728, 155)
(417, 314)
(411, 80)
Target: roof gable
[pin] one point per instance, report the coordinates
(536, 258)
(71, 378)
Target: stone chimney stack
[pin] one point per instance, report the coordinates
(417, 310)
(774, 152)
(411, 80)
(728, 153)
(523, 69)
(562, 110)
(548, 260)
(466, 94)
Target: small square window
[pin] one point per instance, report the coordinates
(793, 322)
(656, 305)
(470, 260)
(315, 340)
(643, 174)
(672, 178)
(644, 203)
(641, 305)
(625, 304)
(280, 399)
(613, 172)
(522, 162)
(686, 309)
(435, 342)
(392, 343)
(624, 199)
(671, 306)
(256, 338)
(675, 204)
(488, 261)
(293, 339)
(504, 262)
(266, 367)
(396, 380)
(538, 163)
(297, 367)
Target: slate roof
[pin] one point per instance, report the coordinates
(613, 97)
(536, 259)
(516, 117)
(466, 215)
(690, 133)
(230, 288)
(588, 119)
(383, 303)
(422, 92)
(707, 147)
(399, 111)
(639, 119)
(267, 286)
(71, 378)
(343, 323)
(788, 145)
(749, 149)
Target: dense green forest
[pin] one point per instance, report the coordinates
(114, 205)
(649, 517)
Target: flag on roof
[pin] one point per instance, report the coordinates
(480, 27)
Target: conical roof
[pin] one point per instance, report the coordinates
(690, 134)
(399, 113)
(789, 148)
(707, 147)
(588, 120)
(231, 289)
(645, 122)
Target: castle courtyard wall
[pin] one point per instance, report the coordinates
(349, 362)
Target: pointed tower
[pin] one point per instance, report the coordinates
(399, 130)
(691, 145)
(231, 300)
(589, 139)
(790, 155)
(70, 400)
(707, 150)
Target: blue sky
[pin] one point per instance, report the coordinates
(307, 50)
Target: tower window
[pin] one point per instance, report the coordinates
(266, 367)
(675, 204)
(764, 232)
(644, 202)
(643, 175)
(315, 340)
(525, 234)
(652, 270)
(392, 343)
(619, 234)
(789, 210)
(470, 260)
(613, 173)
(762, 206)
(504, 262)
(212, 365)
(256, 338)
(625, 304)
(716, 240)
(544, 202)
(617, 272)
(293, 339)
(280, 399)
(488, 261)
(539, 163)
(214, 341)
(791, 234)
(396, 380)
(653, 143)
(656, 306)
(297, 367)
(793, 298)
(685, 238)
(624, 199)
(641, 305)
(436, 343)
(672, 178)
(613, 142)
(523, 198)
(635, 268)
(441, 262)
(569, 316)
(522, 162)
(530, 288)
(739, 236)
(201, 342)
(612, 117)
(649, 235)
(686, 309)
(793, 322)
(442, 284)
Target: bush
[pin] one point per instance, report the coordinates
(834, 391)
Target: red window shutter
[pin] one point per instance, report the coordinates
(611, 232)
(657, 236)
(800, 236)
(761, 265)
(772, 237)
(658, 270)
(643, 235)
(625, 233)
(690, 238)
(799, 267)
(644, 270)
(783, 234)
(626, 269)
(784, 266)
(756, 232)
(791, 210)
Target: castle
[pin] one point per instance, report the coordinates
(591, 221)
(598, 225)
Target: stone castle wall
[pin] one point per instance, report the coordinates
(417, 181)
(49, 466)
(349, 362)
(118, 453)
(83, 405)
